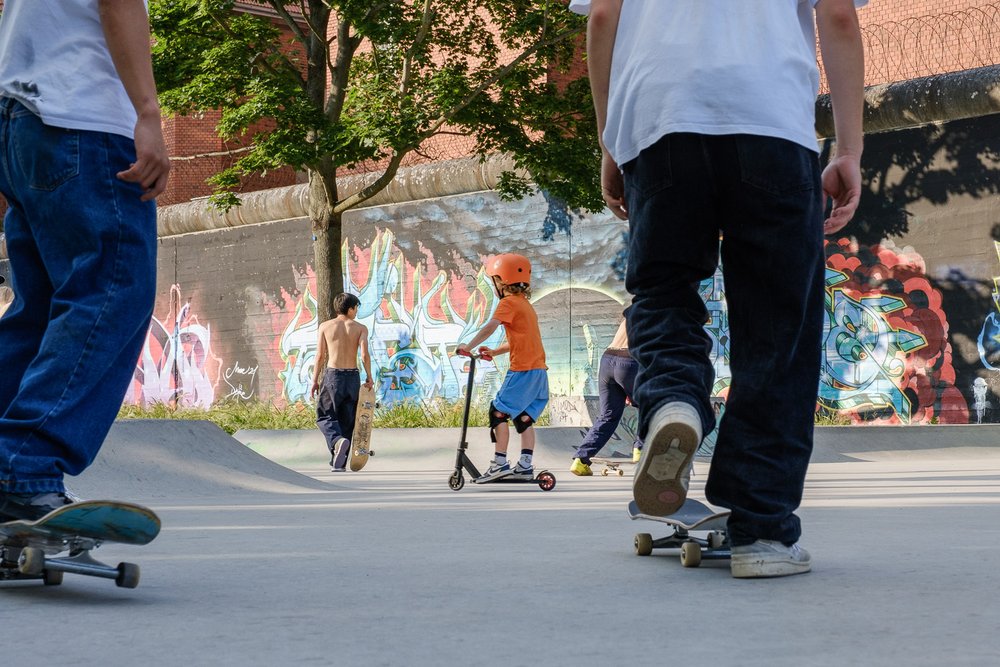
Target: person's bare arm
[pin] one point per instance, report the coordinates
(502, 348)
(602, 28)
(844, 61)
(366, 359)
(480, 336)
(126, 29)
(320, 365)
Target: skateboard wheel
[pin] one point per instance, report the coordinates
(604, 473)
(546, 481)
(31, 561)
(716, 539)
(52, 577)
(690, 554)
(643, 544)
(128, 575)
(621, 473)
(456, 481)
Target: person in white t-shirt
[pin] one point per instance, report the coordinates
(82, 158)
(706, 110)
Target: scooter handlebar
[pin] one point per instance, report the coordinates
(481, 353)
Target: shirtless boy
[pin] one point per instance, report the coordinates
(336, 378)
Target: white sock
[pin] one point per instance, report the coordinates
(524, 461)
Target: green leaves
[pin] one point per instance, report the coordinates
(350, 81)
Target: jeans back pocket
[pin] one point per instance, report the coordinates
(46, 156)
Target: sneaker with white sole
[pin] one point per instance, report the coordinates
(494, 472)
(662, 476)
(769, 558)
(522, 473)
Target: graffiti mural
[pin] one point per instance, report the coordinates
(887, 357)
(177, 366)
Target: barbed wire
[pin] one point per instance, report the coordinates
(933, 44)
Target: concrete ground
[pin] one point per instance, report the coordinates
(261, 565)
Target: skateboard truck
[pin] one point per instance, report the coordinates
(545, 480)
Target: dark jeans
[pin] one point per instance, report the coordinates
(615, 378)
(763, 196)
(82, 250)
(336, 407)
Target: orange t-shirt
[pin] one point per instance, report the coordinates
(521, 324)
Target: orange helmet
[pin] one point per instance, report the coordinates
(510, 268)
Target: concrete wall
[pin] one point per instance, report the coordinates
(913, 330)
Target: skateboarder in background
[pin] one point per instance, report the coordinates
(696, 143)
(82, 158)
(336, 379)
(525, 389)
(615, 379)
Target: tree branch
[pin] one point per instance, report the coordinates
(375, 187)
(290, 70)
(425, 28)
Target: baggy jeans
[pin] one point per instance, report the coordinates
(615, 381)
(336, 408)
(763, 196)
(82, 249)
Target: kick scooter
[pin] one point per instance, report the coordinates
(545, 480)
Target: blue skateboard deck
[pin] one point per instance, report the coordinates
(77, 528)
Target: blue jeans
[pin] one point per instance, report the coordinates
(763, 196)
(82, 251)
(336, 408)
(615, 381)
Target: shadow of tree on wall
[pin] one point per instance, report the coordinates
(936, 164)
(931, 163)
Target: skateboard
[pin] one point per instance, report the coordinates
(361, 442)
(692, 516)
(613, 466)
(26, 546)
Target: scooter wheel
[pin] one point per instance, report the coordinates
(546, 481)
(456, 481)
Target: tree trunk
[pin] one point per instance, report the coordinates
(327, 233)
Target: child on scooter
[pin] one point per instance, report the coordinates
(525, 389)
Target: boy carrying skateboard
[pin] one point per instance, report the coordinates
(336, 379)
(525, 390)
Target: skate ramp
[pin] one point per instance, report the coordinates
(434, 448)
(417, 448)
(152, 458)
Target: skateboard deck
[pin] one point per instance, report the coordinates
(613, 466)
(693, 515)
(361, 442)
(25, 546)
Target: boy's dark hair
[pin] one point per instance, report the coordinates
(343, 302)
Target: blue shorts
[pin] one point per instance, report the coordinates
(523, 391)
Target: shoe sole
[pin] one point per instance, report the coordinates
(483, 479)
(750, 567)
(657, 486)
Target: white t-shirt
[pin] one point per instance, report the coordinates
(54, 60)
(711, 67)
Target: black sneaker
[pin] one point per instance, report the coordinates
(30, 506)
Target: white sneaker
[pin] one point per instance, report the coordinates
(769, 558)
(664, 471)
(522, 473)
(494, 472)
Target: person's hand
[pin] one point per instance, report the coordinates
(486, 354)
(613, 187)
(463, 350)
(152, 162)
(369, 383)
(314, 389)
(842, 184)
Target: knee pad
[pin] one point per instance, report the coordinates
(523, 422)
(496, 418)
